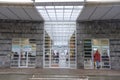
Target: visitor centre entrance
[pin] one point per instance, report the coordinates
(59, 45)
(59, 34)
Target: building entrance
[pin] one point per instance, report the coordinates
(60, 58)
(23, 59)
(59, 49)
(23, 53)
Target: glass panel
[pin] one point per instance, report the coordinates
(96, 42)
(75, 12)
(49, 7)
(59, 7)
(104, 42)
(52, 14)
(67, 11)
(42, 12)
(66, 18)
(51, 11)
(59, 11)
(70, 7)
(53, 18)
(59, 15)
(78, 7)
(67, 14)
(40, 7)
(47, 18)
(59, 18)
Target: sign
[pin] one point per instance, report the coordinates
(27, 48)
(15, 48)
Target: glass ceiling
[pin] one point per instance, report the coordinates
(60, 32)
(59, 13)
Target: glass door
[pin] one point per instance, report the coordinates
(23, 59)
(60, 58)
(64, 59)
(23, 53)
(54, 58)
(100, 53)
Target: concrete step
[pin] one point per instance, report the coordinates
(58, 77)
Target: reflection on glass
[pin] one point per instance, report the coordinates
(23, 52)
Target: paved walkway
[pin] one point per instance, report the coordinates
(80, 72)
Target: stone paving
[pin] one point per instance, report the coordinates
(80, 72)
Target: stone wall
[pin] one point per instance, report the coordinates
(10, 29)
(98, 30)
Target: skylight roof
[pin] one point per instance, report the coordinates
(59, 13)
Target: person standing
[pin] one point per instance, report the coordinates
(97, 59)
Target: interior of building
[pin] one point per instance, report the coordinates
(60, 34)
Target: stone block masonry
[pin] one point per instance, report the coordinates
(107, 29)
(10, 29)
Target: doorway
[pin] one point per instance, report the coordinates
(23, 59)
(59, 45)
(23, 53)
(59, 58)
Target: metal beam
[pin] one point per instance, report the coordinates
(19, 21)
(58, 3)
(17, 4)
